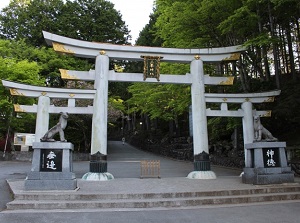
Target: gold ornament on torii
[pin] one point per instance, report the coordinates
(151, 67)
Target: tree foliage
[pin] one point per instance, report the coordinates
(90, 20)
(160, 101)
(23, 21)
(269, 29)
(20, 70)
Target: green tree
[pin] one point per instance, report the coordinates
(191, 23)
(272, 26)
(90, 20)
(48, 60)
(161, 101)
(29, 65)
(21, 71)
(94, 20)
(148, 36)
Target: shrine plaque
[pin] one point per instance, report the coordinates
(51, 160)
(271, 157)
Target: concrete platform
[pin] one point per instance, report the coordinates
(127, 190)
(151, 193)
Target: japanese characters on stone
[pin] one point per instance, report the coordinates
(271, 157)
(270, 161)
(51, 160)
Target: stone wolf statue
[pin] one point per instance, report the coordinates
(58, 128)
(261, 132)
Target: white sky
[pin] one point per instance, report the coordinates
(135, 13)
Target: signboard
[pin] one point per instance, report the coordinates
(271, 157)
(51, 160)
(24, 139)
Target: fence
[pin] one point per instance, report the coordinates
(150, 168)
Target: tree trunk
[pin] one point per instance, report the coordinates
(234, 69)
(133, 121)
(258, 65)
(243, 75)
(283, 52)
(291, 53)
(128, 123)
(266, 63)
(264, 50)
(147, 122)
(171, 128)
(275, 47)
(298, 43)
(177, 126)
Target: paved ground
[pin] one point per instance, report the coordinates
(124, 165)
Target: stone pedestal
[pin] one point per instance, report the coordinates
(267, 164)
(98, 169)
(52, 167)
(202, 168)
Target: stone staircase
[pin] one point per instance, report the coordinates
(63, 200)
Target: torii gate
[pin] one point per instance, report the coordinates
(102, 53)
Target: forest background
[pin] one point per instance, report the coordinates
(269, 29)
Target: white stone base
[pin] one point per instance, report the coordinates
(204, 175)
(98, 176)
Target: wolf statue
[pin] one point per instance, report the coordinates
(261, 132)
(58, 128)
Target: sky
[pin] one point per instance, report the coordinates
(135, 13)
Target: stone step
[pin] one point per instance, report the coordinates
(168, 200)
(67, 195)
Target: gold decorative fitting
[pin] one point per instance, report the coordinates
(247, 99)
(267, 114)
(43, 93)
(71, 95)
(18, 108)
(197, 57)
(64, 75)
(224, 99)
(233, 57)
(151, 67)
(102, 52)
(14, 91)
(270, 99)
(61, 48)
(229, 81)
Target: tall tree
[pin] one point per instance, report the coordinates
(21, 71)
(193, 23)
(148, 36)
(90, 20)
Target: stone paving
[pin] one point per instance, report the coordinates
(124, 164)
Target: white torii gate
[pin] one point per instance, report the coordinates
(101, 75)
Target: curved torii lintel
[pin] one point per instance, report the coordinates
(87, 49)
(242, 97)
(19, 89)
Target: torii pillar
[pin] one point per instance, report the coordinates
(200, 135)
(98, 163)
(248, 130)
(42, 117)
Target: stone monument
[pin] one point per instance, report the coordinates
(52, 161)
(267, 163)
